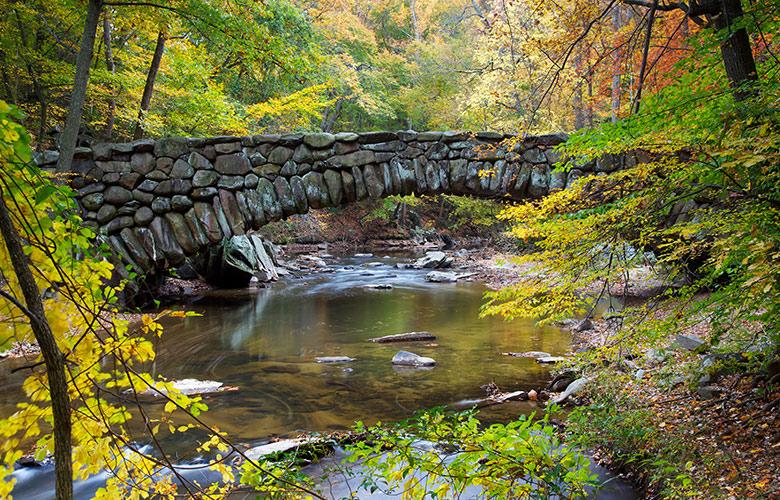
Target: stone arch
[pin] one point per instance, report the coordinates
(158, 202)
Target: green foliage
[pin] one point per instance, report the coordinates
(105, 356)
(439, 455)
(705, 199)
(204, 109)
(700, 191)
(615, 422)
(275, 477)
(219, 60)
(468, 211)
(386, 207)
(292, 112)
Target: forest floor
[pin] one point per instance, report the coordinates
(707, 426)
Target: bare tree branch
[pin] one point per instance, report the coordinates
(645, 53)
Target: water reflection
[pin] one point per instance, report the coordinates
(265, 342)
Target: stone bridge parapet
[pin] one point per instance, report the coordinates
(158, 202)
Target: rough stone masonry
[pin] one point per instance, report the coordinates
(158, 202)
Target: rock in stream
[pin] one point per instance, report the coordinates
(406, 358)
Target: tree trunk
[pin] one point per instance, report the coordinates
(590, 98)
(330, 117)
(40, 94)
(9, 89)
(645, 54)
(737, 54)
(110, 66)
(415, 24)
(52, 356)
(617, 23)
(579, 112)
(146, 99)
(38, 90)
(73, 122)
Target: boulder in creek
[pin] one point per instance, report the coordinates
(433, 260)
(562, 381)
(379, 286)
(404, 337)
(311, 262)
(334, 359)
(191, 387)
(583, 326)
(234, 262)
(573, 388)
(406, 358)
(446, 277)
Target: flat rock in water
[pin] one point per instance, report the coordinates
(405, 358)
(446, 277)
(404, 337)
(550, 359)
(380, 286)
(503, 397)
(334, 359)
(277, 447)
(529, 354)
(191, 386)
(364, 255)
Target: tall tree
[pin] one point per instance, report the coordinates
(70, 133)
(735, 47)
(645, 54)
(52, 356)
(111, 67)
(614, 105)
(151, 77)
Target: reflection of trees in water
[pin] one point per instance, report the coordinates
(241, 336)
(243, 320)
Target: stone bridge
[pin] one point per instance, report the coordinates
(158, 202)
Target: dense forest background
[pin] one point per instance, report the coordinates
(209, 67)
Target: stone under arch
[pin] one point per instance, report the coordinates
(158, 202)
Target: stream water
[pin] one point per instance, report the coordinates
(264, 341)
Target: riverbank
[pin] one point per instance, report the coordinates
(683, 414)
(683, 417)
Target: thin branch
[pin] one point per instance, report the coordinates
(645, 53)
(569, 51)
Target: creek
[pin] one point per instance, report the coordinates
(264, 341)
